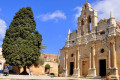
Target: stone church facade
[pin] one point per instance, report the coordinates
(94, 48)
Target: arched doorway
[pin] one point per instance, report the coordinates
(47, 68)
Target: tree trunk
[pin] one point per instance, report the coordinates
(24, 71)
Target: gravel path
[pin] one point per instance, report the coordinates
(43, 77)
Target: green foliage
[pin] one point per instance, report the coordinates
(43, 46)
(108, 73)
(60, 72)
(52, 73)
(47, 66)
(22, 43)
(39, 62)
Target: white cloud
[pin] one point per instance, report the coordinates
(78, 11)
(3, 27)
(103, 7)
(52, 16)
(1, 42)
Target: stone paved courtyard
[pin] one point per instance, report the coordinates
(40, 77)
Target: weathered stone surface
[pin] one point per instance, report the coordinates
(92, 42)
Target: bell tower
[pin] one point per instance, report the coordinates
(87, 20)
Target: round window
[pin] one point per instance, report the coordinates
(102, 50)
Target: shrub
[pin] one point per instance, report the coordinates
(60, 72)
(108, 73)
(52, 74)
(47, 66)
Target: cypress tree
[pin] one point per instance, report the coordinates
(22, 43)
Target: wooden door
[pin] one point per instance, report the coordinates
(85, 68)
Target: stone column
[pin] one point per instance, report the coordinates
(114, 70)
(64, 60)
(75, 60)
(75, 66)
(66, 64)
(114, 55)
(93, 57)
(78, 62)
(79, 28)
(90, 60)
(94, 20)
(109, 60)
(93, 69)
(89, 72)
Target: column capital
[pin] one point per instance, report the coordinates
(66, 52)
(113, 41)
(93, 46)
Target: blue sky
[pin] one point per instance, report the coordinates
(53, 17)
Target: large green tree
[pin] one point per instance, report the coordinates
(22, 43)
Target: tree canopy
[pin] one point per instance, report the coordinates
(22, 43)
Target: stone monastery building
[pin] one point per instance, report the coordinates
(94, 48)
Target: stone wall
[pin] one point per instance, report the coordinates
(50, 59)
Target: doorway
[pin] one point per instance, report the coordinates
(84, 68)
(102, 67)
(47, 69)
(71, 68)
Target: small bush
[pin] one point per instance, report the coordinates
(47, 66)
(60, 72)
(52, 74)
(11, 72)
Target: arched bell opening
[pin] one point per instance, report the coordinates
(89, 24)
(82, 27)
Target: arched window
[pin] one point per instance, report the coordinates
(82, 27)
(89, 24)
(85, 6)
